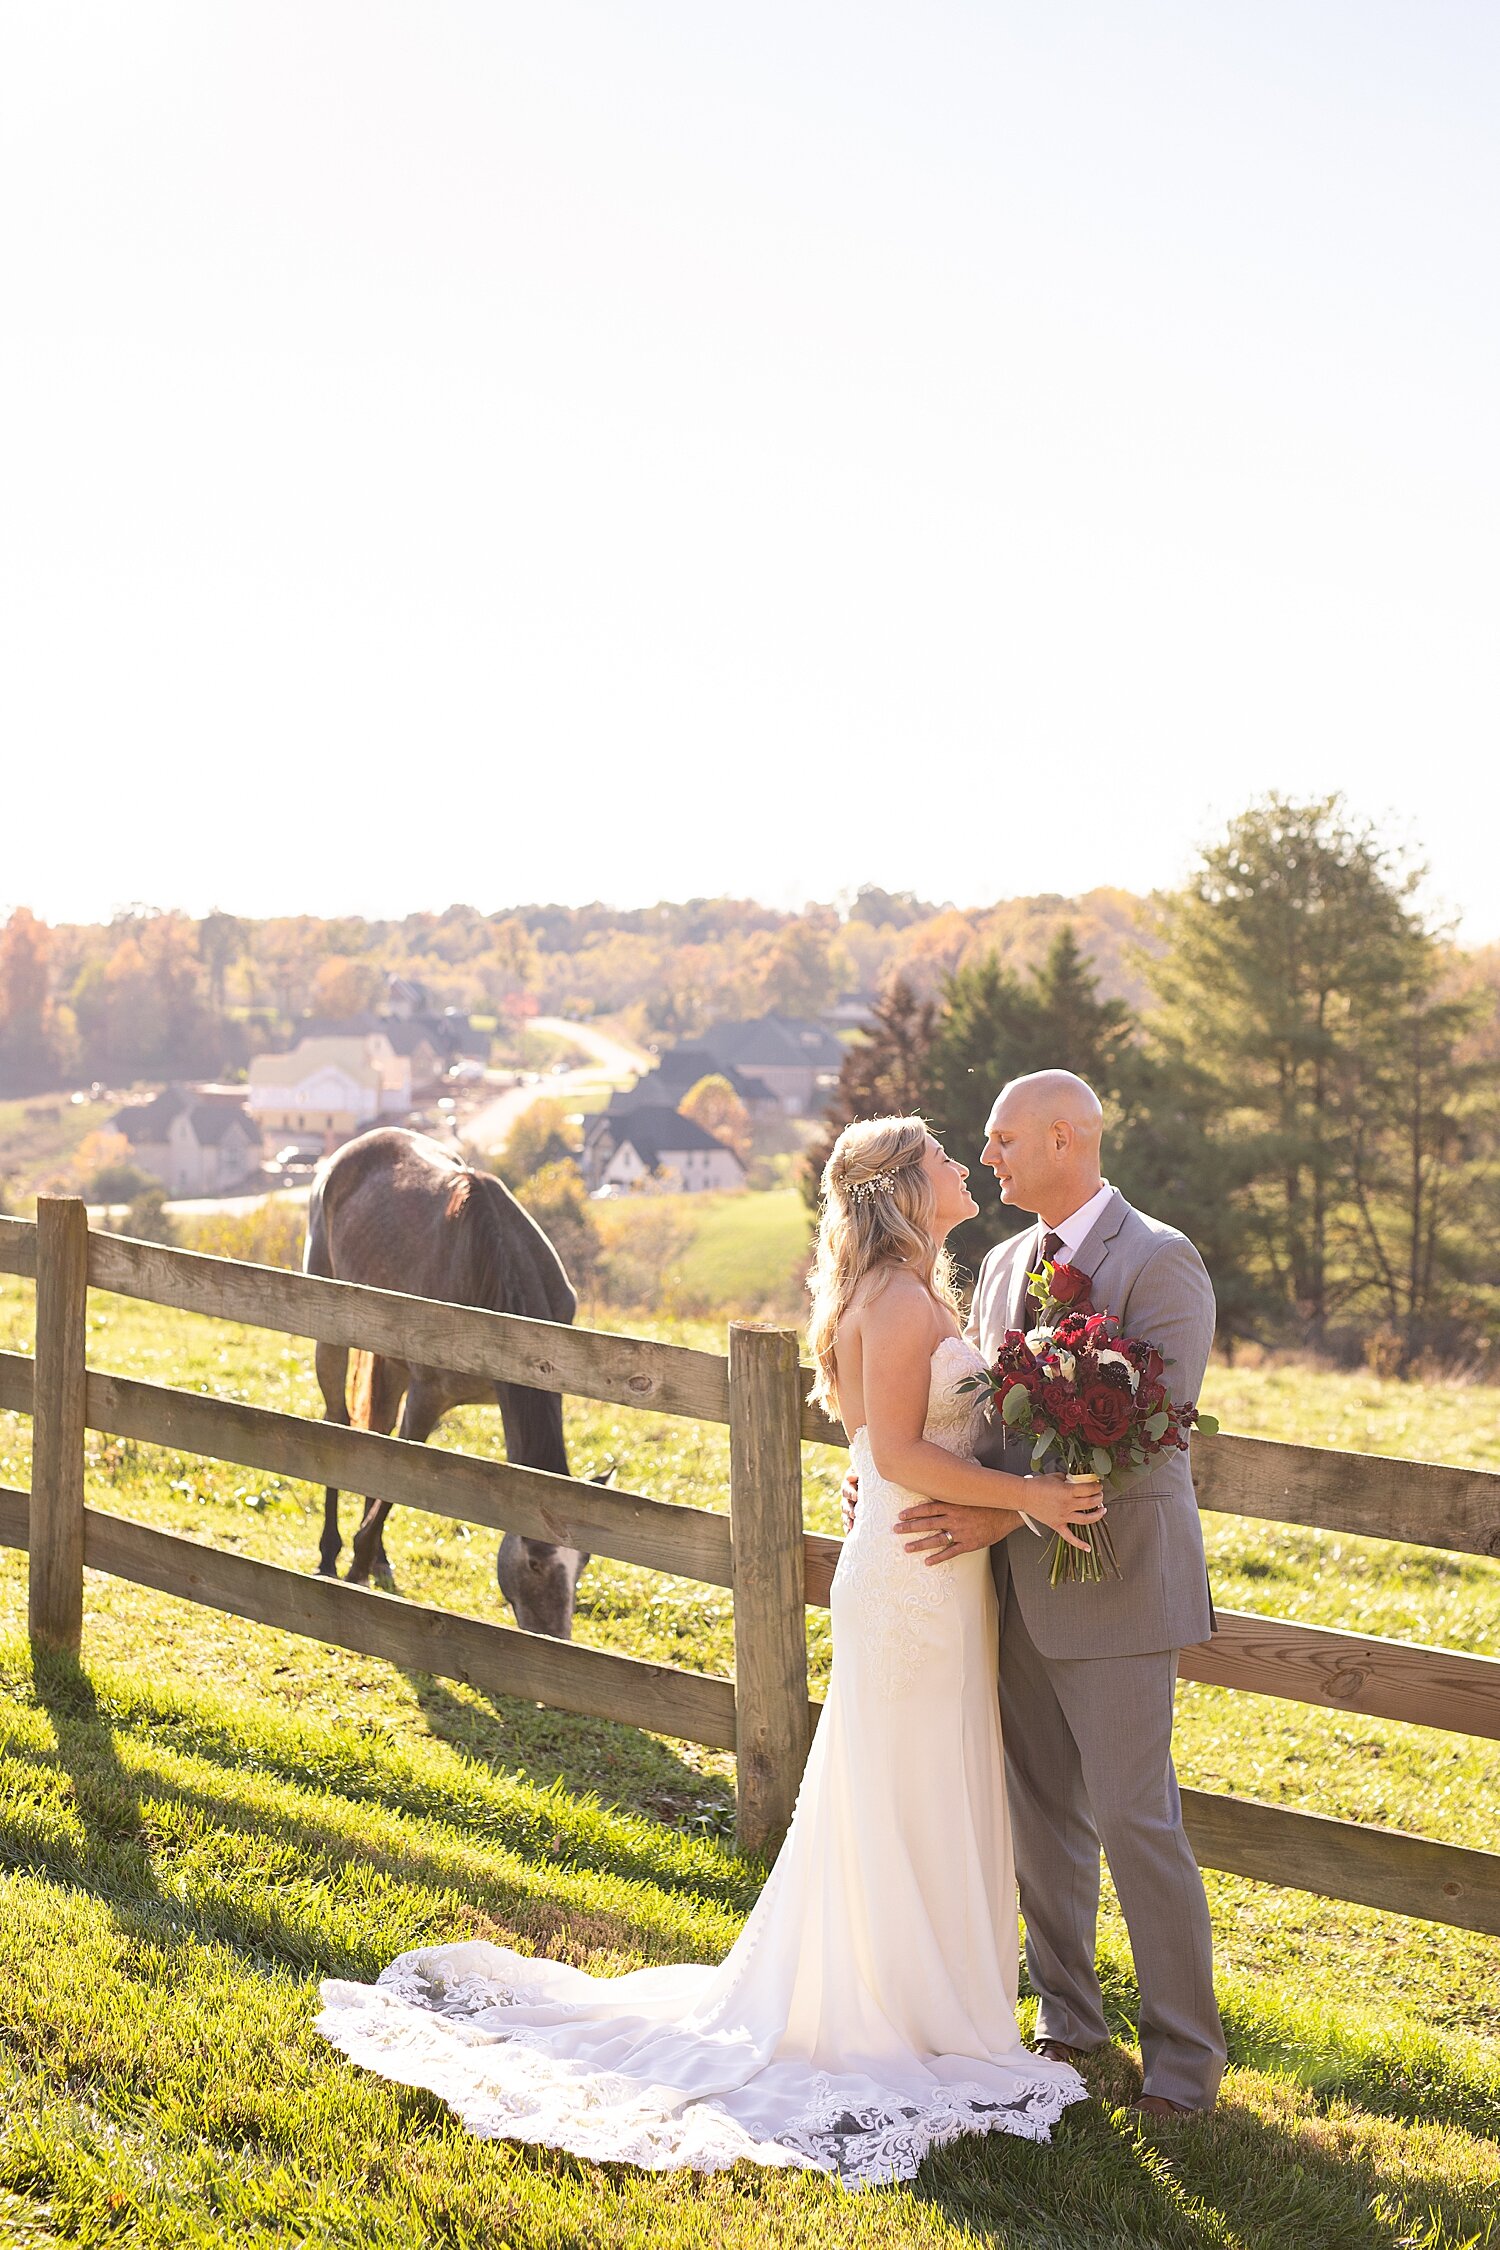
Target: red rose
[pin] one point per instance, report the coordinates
(1060, 1406)
(1106, 1412)
(1069, 1286)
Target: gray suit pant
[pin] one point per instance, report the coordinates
(1088, 1758)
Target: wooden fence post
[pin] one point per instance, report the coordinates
(56, 1515)
(770, 1627)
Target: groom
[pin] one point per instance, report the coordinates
(1087, 1671)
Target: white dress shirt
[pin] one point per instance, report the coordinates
(1074, 1229)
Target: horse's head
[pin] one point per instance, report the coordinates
(540, 1580)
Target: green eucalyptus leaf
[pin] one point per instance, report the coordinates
(1103, 1462)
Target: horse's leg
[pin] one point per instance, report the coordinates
(332, 1364)
(387, 1382)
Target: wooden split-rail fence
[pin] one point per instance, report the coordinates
(759, 1549)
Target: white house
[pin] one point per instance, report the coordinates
(326, 1090)
(195, 1144)
(658, 1150)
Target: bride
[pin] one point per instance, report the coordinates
(866, 2013)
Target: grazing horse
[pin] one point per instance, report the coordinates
(396, 1210)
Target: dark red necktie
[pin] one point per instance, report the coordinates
(1051, 1244)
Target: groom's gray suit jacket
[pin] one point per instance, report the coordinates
(1153, 1280)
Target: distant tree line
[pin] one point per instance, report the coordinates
(1313, 1096)
(155, 993)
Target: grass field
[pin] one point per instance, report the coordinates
(213, 1815)
(693, 1252)
(39, 1138)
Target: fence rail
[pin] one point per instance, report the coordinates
(760, 1550)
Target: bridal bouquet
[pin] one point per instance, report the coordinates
(1091, 1401)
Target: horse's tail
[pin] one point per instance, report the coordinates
(361, 1388)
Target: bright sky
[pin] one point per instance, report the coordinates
(470, 450)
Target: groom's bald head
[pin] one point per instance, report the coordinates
(1043, 1142)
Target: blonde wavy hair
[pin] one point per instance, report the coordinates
(876, 1215)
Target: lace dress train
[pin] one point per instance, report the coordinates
(866, 2013)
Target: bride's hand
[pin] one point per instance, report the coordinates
(1059, 1502)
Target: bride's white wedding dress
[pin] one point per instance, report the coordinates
(867, 2011)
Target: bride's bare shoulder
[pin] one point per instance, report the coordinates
(900, 1308)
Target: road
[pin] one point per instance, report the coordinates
(613, 1059)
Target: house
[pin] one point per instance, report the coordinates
(405, 997)
(195, 1141)
(451, 1034)
(798, 1061)
(678, 1072)
(659, 1150)
(429, 1043)
(852, 1011)
(326, 1090)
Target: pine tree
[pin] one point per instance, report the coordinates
(884, 1074)
(1302, 989)
(996, 1026)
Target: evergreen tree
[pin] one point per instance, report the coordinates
(996, 1026)
(884, 1074)
(1301, 988)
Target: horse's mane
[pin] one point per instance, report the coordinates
(510, 1264)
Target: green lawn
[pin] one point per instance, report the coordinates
(694, 1252)
(39, 1138)
(215, 1814)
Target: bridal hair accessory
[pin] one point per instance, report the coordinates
(862, 1190)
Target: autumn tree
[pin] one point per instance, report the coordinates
(556, 1198)
(28, 1057)
(542, 1129)
(141, 1012)
(343, 987)
(796, 975)
(714, 1104)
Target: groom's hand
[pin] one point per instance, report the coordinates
(940, 1529)
(849, 1495)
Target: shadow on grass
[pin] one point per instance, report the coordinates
(619, 1765)
(1235, 2178)
(248, 1910)
(107, 1802)
(568, 1825)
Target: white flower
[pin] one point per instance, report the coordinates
(1118, 1359)
(1038, 1339)
(1067, 1365)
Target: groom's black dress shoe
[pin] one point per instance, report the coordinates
(1053, 2050)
